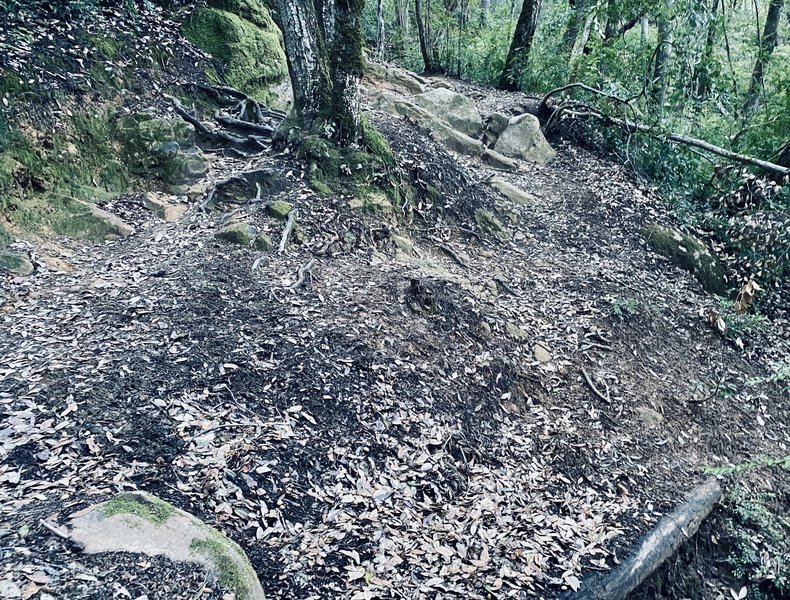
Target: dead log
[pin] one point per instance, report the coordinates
(660, 544)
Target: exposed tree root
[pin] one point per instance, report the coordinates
(249, 130)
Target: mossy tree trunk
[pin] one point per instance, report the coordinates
(766, 48)
(323, 45)
(522, 42)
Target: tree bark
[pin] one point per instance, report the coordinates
(485, 8)
(575, 25)
(612, 20)
(644, 29)
(661, 64)
(702, 76)
(522, 42)
(402, 17)
(423, 35)
(767, 45)
(380, 29)
(323, 46)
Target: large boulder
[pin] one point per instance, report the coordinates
(688, 253)
(442, 132)
(16, 263)
(141, 523)
(242, 36)
(522, 138)
(455, 109)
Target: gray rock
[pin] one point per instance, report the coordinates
(16, 263)
(263, 242)
(516, 332)
(497, 122)
(522, 138)
(648, 416)
(143, 524)
(442, 131)
(455, 109)
(114, 225)
(499, 161)
(541, 353)
(512, 193)
(489, 224)
(237, 233)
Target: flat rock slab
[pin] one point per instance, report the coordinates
(512, 193)
(142, 523)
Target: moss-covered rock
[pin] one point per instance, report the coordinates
(16, 263)
(280, 209)
(263, 242)
(237, 233)
(690, 254)
(161, 147)
(374, 202)
(241, 35)
(489, 224)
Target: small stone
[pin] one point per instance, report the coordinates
(516, 332)
(16, 263)
(236, 233)
(541, 353)
(263, 242)
(648, 416)
(280, 209)
(485, 330)
(141, 523)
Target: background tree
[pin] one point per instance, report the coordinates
(518, 55)
(765, 48)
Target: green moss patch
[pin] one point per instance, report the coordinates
(146, 507)
(250, 50)
(489, 224)
(230, 573)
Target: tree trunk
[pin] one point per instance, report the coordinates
(644, 29)
(767, 45)
(323, 45)
(703, 75)
(522, 42)
(575, 25)
(402, 17)
(661, 64)
(423, 35)
(612, 21)
(380, 30)
(485, 8)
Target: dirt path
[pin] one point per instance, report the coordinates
(404, 425)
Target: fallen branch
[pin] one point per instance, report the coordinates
(660, 544)
(61, 532)
(594, 388)
(634, 127)
(302, 273)
(289, 226)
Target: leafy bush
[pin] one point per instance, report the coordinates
(759, 537)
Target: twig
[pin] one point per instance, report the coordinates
(289, 226)
(58, 531)
(301, 274)
(451, 253)
(595, 389)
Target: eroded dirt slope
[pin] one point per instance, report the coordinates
(412, 422)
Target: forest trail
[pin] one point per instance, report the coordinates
(416, 420)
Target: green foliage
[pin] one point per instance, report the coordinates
(759, 536)
(623, 308)
(738, 327)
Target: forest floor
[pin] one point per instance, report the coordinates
(407, 423)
